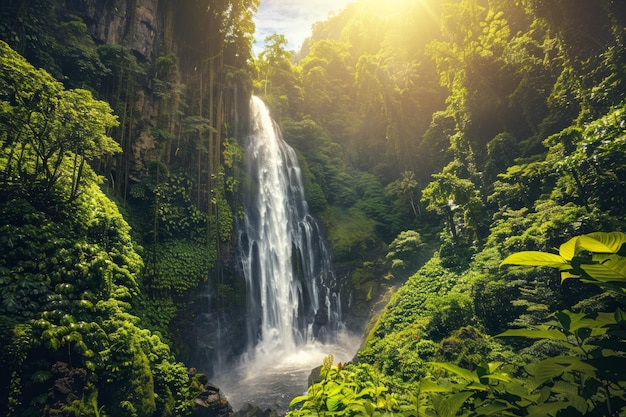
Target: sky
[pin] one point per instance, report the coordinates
(292, 18)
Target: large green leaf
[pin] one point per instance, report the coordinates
(298, 399)
(334, 404)
(608, 268)
(536, 258)
(426, 385)
(493, 408)
(602, 242)
(462, 372)
(449, 406)
(578, 244)
(552, 334)
(547, 409)
(568, 249)
(574, 321)
(547, 369)
(500, 376)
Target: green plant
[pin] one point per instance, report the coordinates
(344, 391)
(402, 254)
(585, 379)
(594, 258)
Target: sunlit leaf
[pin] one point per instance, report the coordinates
(462, 372)
(498, 377)
(426, 385)
(334, 403)
(567, 274)
(608, 268)
(298, 399)
(602, 242)
(536, 258)
(551, 334)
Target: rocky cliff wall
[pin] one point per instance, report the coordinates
(136, 25)
(130, 23)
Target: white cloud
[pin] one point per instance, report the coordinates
(292, 18)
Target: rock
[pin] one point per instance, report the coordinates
(210, 403)
(132, 23)
(249, 410)
(315, 376)
(319, 324)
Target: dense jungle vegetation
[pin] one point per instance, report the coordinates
(443, 143)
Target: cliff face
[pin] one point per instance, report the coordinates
(175, 74)
(131, 23)
(188, 52)
(137, 26)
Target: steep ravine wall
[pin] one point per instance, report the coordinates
(136, 25)
(153, 31)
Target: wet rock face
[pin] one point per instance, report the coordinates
(211, 403)
(249, 410)
(132, 23)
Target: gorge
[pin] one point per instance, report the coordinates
(164, 245)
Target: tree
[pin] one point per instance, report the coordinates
(45, 126)
(447, 193)
(278, 79)
(406, 188)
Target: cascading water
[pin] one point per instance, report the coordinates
(294, 311)
(285, 260)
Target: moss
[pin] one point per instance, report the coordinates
(351, 233)
(466, 347)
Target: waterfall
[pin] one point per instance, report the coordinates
(293, 313)
(285, 259)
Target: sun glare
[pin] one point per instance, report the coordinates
(397, 8)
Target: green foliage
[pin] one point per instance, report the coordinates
(448, 313)
(527, 154)
(322, 165)
(224, 217)
(344, 391)
(179, 266)
(47, 131)
(405, 188)
(278, 79)
(449, 194)
(69, 267)
(402, 253)
(76, 54)
(51, 38)
(166, 197)
(395, 341)
(579, 381)
(593, 258)
(350, 233)
(494, 302)
(590, 161)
